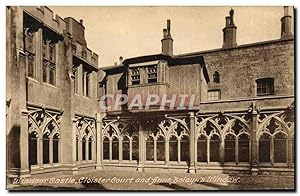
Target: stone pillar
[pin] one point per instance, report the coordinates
(167, 147)
(142, 148)
(51, 150)
(192, 167)
(99, 142)
(289, 151)
(120, 150)
(178, 152)
(222, 150)
(254, 142)
(23, 145)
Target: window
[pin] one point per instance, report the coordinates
(264, 148)
(216, 77)
(45, 149)
(230, 148)
(265, 86)
(90, 148)
(214, 148)
(202, 149)
(135, 148)
(115, 149)
(173, 147)
(150, 149)
(160, 150)
(243, 142)
(106, 148)
(32, 149)
(49, 62)
(280, 148)
(184, 148)
(55, 148)
(30, 50)
(85, 82)
(152, 74)
(83, 149)
(126, 148)
(213, 95)
(135, 76)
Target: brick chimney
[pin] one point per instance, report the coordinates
(286, 24)
(229, 32)
(167, 41)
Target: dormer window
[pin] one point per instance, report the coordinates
(135, 76)
(152, 74)
(216, 77)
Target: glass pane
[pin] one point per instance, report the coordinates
(185, 149)
(83, 150)
(160, 151)
(264, 149)
(214, 149)
(115, 149)
(280, 148)
(135, 148)
(45, 151)
(32, 150)
(150, 149)
(202, 149)
(106, 149)
(173, 143)
(55, 150)
(230, 148)
(126, 148)
(243, 148)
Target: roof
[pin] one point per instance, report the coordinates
(172, 61)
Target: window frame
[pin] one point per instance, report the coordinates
(265, 85)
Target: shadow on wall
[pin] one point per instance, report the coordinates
(13, 149)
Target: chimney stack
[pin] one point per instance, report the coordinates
(286, 24)
(81, 21)
(167, 41)
(229, 32)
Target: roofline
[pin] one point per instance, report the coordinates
(237, 47)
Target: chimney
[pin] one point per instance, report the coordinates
(81, 21)
(229, 32)
(121, 59)
(286, 24)
(167, 41)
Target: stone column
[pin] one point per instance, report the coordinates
(99, 142)
(289, 151)
(51, 150)
(222, 150)
(254, 143)
(167, 147)
(178, 152)
(120, 150)
(24, 153)
(142, 148)
(192, 168)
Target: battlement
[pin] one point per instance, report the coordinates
(45, 15)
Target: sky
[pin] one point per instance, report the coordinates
(112, 32)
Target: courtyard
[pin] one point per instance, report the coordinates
(114, 180)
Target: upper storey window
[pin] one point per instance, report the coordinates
(265, 86)
(49, 61)
(135, 76)
(213, 95)
(152, 74)
(216, 77)
(30, 49)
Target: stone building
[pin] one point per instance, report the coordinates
(242, 119)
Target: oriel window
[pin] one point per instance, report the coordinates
(135, 76)
(152, 74)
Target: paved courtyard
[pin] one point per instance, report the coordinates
(123, 180)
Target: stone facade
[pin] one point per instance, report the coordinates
(242, 120)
